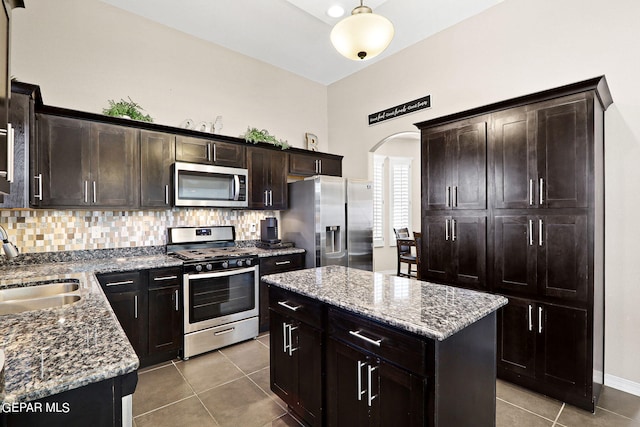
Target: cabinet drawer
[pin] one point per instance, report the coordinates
(162, 277)
(281, 263)
(120, 282)
(399, 348)
(295, 306)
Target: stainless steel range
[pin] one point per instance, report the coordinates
(220, 287)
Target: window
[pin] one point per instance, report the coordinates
(378, 200)
(399, 193)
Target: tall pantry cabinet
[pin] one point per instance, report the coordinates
(545, 231)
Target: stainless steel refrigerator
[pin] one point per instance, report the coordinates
(332, 219)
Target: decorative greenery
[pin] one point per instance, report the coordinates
(126, 108)
(254, 136)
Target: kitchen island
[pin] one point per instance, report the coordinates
(351, 347)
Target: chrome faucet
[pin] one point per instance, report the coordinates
(9, 248)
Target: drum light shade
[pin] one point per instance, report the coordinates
(363, 35)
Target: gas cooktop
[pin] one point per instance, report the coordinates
(202, 254)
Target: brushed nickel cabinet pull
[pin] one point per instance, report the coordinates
(541, 191)
(166, 194)
(447, 195)
(39, 195)
(540, 232)
(531, 192)
(290, 307)
(283, 262)
(530, 232)
(539, 320)
(455, 196)
(94, 192)
(177, 300)
(126, 282)
(370, 397)
(160, 279)
(453, 230)
(135, 308)
(359, 379)
(367, 339)
(530, 317)
(446, 229)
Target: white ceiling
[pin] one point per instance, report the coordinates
(294, 34)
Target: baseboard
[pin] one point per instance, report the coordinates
(622, 384)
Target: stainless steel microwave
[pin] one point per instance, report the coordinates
(210, 186)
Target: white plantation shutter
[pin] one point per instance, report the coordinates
(378, 200)
(400, 193)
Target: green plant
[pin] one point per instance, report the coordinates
(126, 108)
(254, 136)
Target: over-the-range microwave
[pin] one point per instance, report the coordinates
(209, 186)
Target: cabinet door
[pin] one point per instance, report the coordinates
(308, 165)
(258, 165)
(565, 347)
(226, 154)
(128, 307)
(514, 154)
(563, 270)
(64, 153)
(5, 88)
(309, 349)
(402, 396)
(469, 259)
(194, 150)
(115, 166)
(157, 154)
(278, 180)
(562, 149)
(515, 254)
(435, 181)
(517, 337)
(346, 386)
(165, 326)
(436, 250)
(468, 167)
(284, 373)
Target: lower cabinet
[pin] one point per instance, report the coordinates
(271, 265)
(148, 306)
(545, 347)
(296, 354)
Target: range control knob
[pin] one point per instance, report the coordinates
(198, 268)
(225, 264)
(240, 263)
(208, 267)
(249, 261)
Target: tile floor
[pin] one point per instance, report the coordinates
(230, 387)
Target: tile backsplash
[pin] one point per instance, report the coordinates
(71, 230)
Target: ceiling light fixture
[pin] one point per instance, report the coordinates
(363, 35)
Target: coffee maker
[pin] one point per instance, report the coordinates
(269, 230)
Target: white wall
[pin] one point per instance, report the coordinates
(516, 48)
(85, 52)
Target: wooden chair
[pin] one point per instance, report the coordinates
(418, 239)
(403, 246)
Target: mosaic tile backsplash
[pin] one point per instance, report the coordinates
(36, 231)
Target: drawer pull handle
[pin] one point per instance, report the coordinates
(283, 262)
(370, 397)
(226, 331)
(360, 390)
(367, 339)
(290, 307)
(159, 279)
(126, 282)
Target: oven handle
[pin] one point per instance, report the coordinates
(236, 187)
(221, 273)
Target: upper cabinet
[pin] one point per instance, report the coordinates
(541, 154)
(157, 155)
(303, 164)
(454, 166)
(83, 163)
(198, 150)
(267, 178)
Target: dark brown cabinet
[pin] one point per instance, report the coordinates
(148, 306)
(157, 155)
(267, 178)
(455, 250)
(83, 163)
(296, 350)
(545, 223)
(541, 155)
(199, 150)
(271, 265)
(454, 164)
(544, 343)
(314, 164)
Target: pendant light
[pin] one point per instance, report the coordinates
(362, 35)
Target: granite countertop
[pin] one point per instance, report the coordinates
(427, 309)
(263, 253)
(52, 350)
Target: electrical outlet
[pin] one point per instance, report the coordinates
(252, 228)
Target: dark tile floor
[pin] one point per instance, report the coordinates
(230, 387)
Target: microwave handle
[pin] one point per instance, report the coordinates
(236, 187)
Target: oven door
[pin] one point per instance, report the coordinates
(213, 299)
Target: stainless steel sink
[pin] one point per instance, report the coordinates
(37, 297)
(39, 291)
